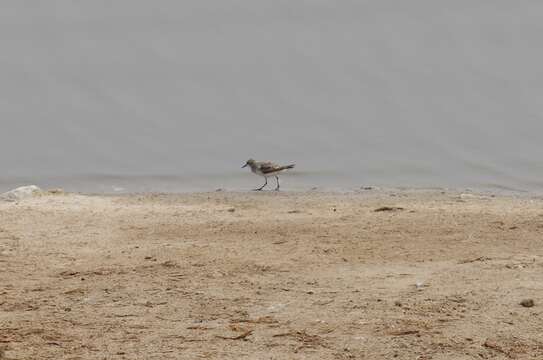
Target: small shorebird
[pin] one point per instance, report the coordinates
(266, 169)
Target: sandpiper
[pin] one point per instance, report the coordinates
(266, 169)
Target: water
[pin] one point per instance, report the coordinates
(134, 95)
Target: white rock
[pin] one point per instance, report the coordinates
(465, 196)
(22, 192)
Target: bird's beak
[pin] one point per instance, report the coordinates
(244, 166)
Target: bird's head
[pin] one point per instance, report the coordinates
(249, 162)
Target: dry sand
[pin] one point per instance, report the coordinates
(272, 276)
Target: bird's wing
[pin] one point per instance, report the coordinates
(269, 167)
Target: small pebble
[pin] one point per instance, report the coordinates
(527, 303)
(56, 191)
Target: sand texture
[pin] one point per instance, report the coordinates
(431, 275)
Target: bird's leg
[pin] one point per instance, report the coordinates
(277, 178)
(263, 186)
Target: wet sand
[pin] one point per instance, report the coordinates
(432, 275)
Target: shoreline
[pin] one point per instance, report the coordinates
(369, 190)
(243, 275)
(236, 182)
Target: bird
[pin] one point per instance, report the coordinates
(266, 169)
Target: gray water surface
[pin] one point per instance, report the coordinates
(176, 95)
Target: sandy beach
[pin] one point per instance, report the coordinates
(273, 275)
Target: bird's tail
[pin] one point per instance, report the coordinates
(289, 166)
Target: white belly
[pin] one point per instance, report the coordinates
(258, 172)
